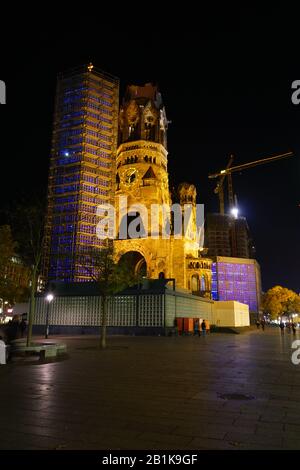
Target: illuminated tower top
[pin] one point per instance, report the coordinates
(143, 116)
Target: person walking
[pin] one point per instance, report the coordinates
(294, 328)
(281, 326)
(13, 331)
(263, 324)
(23, 326)
(196, 327)
(257, 324)
(203, 327)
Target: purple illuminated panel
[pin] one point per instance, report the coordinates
(234, 281)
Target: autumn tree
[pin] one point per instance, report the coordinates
(7, 251)
(279, 301)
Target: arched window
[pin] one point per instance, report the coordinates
(203, 283)
(195, 283)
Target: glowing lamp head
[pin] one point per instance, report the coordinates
(49, 297)
(66, 154)
(235, 212)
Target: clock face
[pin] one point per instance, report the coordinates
(132, 113)
(130, 176)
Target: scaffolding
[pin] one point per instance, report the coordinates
(82, 168)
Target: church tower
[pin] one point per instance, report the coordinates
(146, 236)
(142, 154)
(142, 179)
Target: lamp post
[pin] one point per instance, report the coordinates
(49, 298)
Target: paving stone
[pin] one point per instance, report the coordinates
(260, 439)
(202, 443)
(155, 393)
(172, 439)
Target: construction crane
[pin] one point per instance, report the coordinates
(219, 189)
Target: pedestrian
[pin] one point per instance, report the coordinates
(196, 327)
(294, 328)
(257, 324)
(263, 324)
(23, 326)
(203, 327)
(13, 330)
(281, 326)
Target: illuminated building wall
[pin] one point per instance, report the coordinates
(82, 169)
(237, 279)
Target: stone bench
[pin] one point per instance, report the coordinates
(44, 350)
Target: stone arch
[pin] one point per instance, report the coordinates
(135, 261)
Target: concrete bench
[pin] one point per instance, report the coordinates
(43, 350)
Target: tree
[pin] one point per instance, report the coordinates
(111, 277)
(7, 250)
(10, 267)
(279, 301)
(7, 246)
(27, 221)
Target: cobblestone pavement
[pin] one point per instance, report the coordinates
(224, 391)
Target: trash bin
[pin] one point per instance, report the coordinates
(2, 352)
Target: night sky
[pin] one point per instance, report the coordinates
(226, 83)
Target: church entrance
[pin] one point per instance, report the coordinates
(136, 262)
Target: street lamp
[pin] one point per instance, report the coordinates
(49, 298)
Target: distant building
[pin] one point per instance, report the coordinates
(15, 283)
(82, 170)
(17, 273)
(244, 247)
(237, 279)
(227, 236)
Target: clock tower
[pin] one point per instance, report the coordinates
(142, 191)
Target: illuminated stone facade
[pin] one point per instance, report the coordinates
(142, 178)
